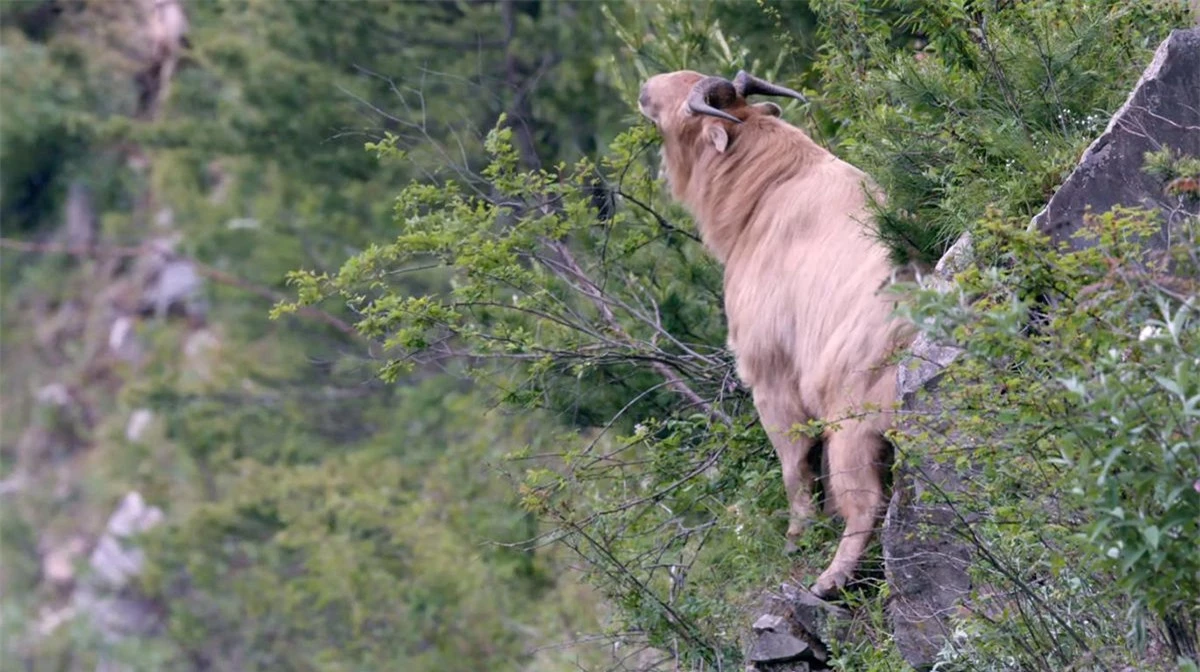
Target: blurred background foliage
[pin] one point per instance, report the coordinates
(516, 492)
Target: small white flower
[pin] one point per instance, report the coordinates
(1149, 332)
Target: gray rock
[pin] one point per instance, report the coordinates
(139, 420)
(768, 623)
(925, 359)
(957, 259)
(1162, 110)
(177, 286)
(789, 634)
(123, 341)
(117, 616)
(113, 564)
(925, 561)
(824, 620)
(777, 647)
(54, 394)
(104, 595)
(133, 516)
(168, 284)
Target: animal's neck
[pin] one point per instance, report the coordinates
(725, 192)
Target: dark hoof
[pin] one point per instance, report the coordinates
(828, 594)
(829, 586)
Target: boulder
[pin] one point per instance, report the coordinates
(167, 284)
(115, 562)
(1162, 111)
(790, 631)
(175, 288)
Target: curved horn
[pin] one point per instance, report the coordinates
(711, 94)
(747, 84)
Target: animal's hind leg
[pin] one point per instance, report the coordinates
(855, 481)
(778, 417)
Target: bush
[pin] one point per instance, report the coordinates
(1073, 404)
(958, 107)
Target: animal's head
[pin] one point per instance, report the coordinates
(687, 105)
(715, 144)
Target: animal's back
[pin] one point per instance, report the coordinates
(804, 295)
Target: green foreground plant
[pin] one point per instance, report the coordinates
(1073, 408)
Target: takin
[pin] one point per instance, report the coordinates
(810, 323)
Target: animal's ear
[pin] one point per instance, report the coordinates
(769, 108)
(717, 135)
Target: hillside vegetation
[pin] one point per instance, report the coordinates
(385, 307)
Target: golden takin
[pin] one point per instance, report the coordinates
(810, 323)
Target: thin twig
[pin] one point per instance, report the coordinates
(589, 289)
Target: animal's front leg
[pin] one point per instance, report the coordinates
(778, 416)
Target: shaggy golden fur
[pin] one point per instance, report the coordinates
(809, 324)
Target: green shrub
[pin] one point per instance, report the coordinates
(1073, 407)
(957, 107)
